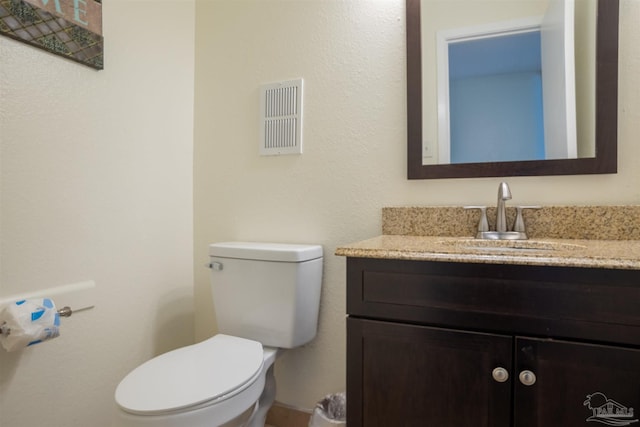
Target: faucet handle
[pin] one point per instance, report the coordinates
(519, 224)
(483, 224)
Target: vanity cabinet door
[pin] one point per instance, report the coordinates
(575, 384)
(408, 375)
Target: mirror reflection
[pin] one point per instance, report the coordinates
(512, 81)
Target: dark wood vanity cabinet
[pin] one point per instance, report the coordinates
(461, 344)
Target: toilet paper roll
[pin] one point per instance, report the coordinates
(28, 322)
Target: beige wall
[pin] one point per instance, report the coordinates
(96, 184)
(352, 57)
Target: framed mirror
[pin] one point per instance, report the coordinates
(601, 159)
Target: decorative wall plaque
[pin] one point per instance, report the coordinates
(69, 28)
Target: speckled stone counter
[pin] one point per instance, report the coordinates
(554, 222)
(594, 237)
(618, 254)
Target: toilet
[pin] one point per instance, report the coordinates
(266, 298)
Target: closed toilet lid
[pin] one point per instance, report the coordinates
(191, 376)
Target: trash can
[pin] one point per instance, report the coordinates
(330, 411)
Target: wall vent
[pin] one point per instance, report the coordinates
(281, 118)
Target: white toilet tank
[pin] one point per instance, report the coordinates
(267, 292)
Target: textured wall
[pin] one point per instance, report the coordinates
(352, 57)
(96, 184)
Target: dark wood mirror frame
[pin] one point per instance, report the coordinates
(606, 112)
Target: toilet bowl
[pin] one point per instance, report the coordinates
(217, 382)
(266, 298)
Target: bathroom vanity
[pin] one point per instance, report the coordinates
(443, 331)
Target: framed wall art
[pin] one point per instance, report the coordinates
(69, 28)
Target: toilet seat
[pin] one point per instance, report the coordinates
(198, 375)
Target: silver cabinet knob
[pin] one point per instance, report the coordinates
(527, 378)
(500, 374)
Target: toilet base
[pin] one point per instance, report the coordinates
(240, 420)
(268, 395)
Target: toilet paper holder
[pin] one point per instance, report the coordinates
(65, 311)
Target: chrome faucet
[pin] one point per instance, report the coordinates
(502, 230)
(504, 194)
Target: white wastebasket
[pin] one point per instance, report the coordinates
(330, 411)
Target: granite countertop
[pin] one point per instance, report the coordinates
(569, 236)
(614, 254)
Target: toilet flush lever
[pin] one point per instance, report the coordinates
(215, 266)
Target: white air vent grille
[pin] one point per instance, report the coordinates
(281, 118)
